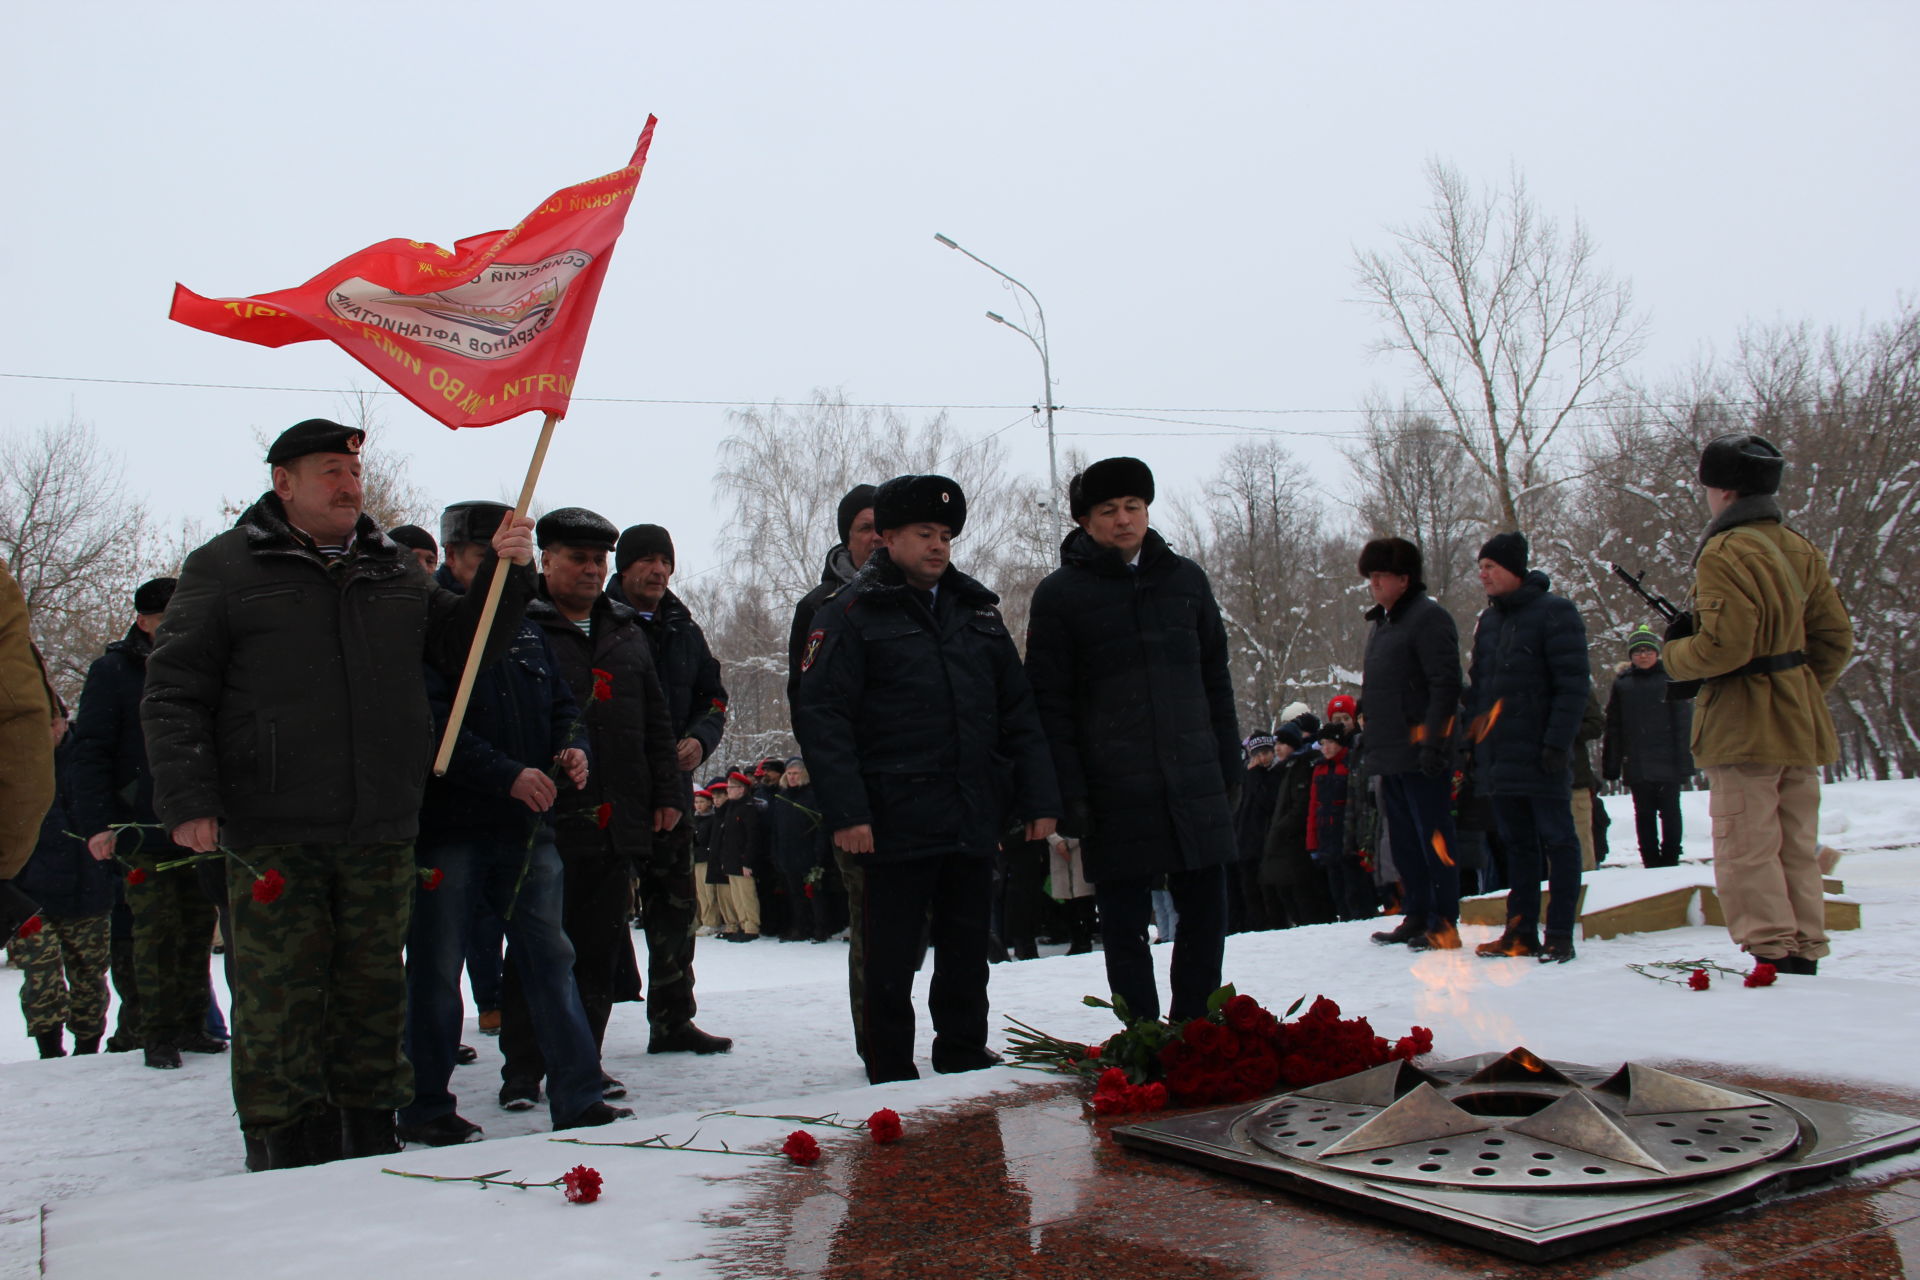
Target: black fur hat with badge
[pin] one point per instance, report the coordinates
(907, 500)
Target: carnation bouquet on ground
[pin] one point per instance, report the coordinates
(1237, 1052)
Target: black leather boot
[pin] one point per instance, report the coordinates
(51, 1045)
(367, 1132)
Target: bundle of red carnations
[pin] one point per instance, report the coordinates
(1237, 1052)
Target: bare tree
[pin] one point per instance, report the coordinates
(1413, 481)
(1510, 323)
(75, 541)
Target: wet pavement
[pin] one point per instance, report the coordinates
(1032, 1184)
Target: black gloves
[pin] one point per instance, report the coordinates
(1433, 761)
(1078, 819)
(1553, 760)
(1681, 627)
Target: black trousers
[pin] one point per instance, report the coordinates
(1199, 942)
(954, 893)
(1656, 822)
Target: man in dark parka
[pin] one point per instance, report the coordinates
(919, 729)
(1411, 691)
(1527, 693)
(1646, 744)
(1128, 658)
(286, 719)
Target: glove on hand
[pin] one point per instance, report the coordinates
(1553, 760)
(1681, 627)
(1433, 761)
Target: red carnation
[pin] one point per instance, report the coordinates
(33, 925)
(268, 885)
(1762, 976)
(602, 685)
(581, 1184)
(1243, 1014)
(1111, 1078)
(1699, 980)
(137, 876)
(430, 880)
(800, 1147)
(603, 815)
(884, 1125)
(1093, 1050)
(1202, 1036)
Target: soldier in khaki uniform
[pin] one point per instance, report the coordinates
(1769, 637)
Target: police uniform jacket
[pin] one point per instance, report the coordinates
(1762, 591)
(916, 717)
(284, 693)
(634, 769)
(835, 574)
(521, 715)
(1129, 667)
(1529, 690)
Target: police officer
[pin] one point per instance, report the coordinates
(643, 562)
(287, 722)
(1769, 636)
(919, 728)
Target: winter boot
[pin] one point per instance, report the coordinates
(611, 1088)
(1558, 949)
(597, 1113)
(1445, 938)
(1796, 964)
(86, 1046)
(162, 1056)
(520, 1095)
(51, 1046)
(687, 1038)
(1514, 942)
(1406, 931)
(951, 1061)
(449, 1130)
(466, 1055)
(200, 1042)
(367, 1131)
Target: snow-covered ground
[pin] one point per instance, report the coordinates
(137, 1169)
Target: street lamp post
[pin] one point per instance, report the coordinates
(1039, 344)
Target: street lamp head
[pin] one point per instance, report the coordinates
(996, 317)
(943, 240)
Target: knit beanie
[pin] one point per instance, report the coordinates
(1509, 551)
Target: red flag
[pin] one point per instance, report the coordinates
(475, 334)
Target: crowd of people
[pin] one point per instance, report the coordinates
(255, 761)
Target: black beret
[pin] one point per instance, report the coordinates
(639, 541)
(412, 535)
(1106, 480)
(919, 499)
(153, 597)
(1741, 462)
(475, 520)
(1391, 555)
(575, 527)
(315, 435)
(1509, 551)
(858, 499)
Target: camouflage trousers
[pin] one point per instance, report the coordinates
(64, 976)
(172, 946)
(669, 912)
(319, 984)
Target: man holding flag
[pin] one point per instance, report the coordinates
(287, 723)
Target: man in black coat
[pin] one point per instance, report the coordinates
(607, 828)
(287, 722)
(112, 785)
(1647, 742)
(1411, 691)
(1259, 789)
(689, 674)
(1128, 658)
(920, 732)
(1528, 689)
(485, 842)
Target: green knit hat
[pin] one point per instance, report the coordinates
(1642, 638)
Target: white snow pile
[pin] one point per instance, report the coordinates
(114, 1170)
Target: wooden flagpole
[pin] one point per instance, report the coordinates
(472, 670)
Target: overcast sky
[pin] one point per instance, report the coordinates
(1183, 185)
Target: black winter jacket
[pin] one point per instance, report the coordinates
(739, 840)
(284, 693)
(801, 840)
(920, 722)
(1129, 668)
(689, 676)
(111, 780)
(1410, 688)
(838, 571)
(1647, 737)
(1259, 791)
(1529, 661)
(61, 876)
(634, 770)
(521, 715)
(1285, 863)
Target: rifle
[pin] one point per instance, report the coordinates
(1677, 690)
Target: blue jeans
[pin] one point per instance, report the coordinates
(436, 950)
(1536, 829)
